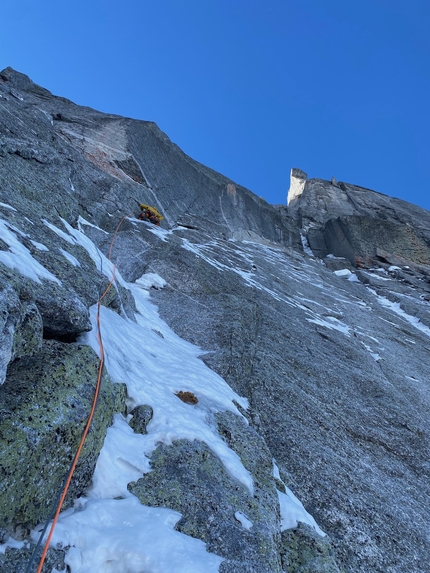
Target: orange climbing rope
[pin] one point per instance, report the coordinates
(93, 407)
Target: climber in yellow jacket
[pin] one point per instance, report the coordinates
(150, 214)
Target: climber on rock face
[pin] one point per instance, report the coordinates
(150, 214)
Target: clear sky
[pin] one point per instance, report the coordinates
(250, 88)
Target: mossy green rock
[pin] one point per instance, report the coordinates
(189, 478)
(142, 415)
(28, 335)
(304, 551)
(45, 403)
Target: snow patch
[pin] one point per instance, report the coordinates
(204, 252)
(12, 543)
(70, 258)
(122, 460)
(334, 324)
(149, 280)
(343, 273)
(354, 278)
(291, 508)
(103, 264)
(347, 274)
(154, 369)
(6, 206)
(19, 257)
(241, 517)
(161, 233)
(292, 511)
(305, 245)
(374, 355)
(59, 232)
(82, 221)
(395, 307)
(123, 536)
(39, 246)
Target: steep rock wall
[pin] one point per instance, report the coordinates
(335, 372)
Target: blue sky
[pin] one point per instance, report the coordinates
(250, 88)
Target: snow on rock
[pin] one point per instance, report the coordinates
(12, 543)
(39, 246)
(77, 237)
(374, 355)
(59, 232)
(354, 278)
(155, 369)
(149, 280)
(245, 522)
(19, 257)
(305, 245)
(291, 508)
(82, 221)
(111, 535)
(123, 536)
(332, 323)
(395, 307)
(292, 511)
(158, 231)
(103, 264)
(6, 206)
(73, 260)
(121, 460)
(345, 273)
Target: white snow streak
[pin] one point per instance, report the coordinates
(332, 323)
(82, 221)
(19, 257)
(39, 246)
(6, 206)
(291, 508)
(59, 232)
(121, 535)
(70, 258)
(395, 307)
(245, 522)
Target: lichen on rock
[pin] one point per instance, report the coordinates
(304, 551)
(45, 404)
(189, 478)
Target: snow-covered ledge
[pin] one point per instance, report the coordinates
(297, 184)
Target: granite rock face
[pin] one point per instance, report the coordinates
(334, 379)
(361, 225)
(353, 227)
(316, 312)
